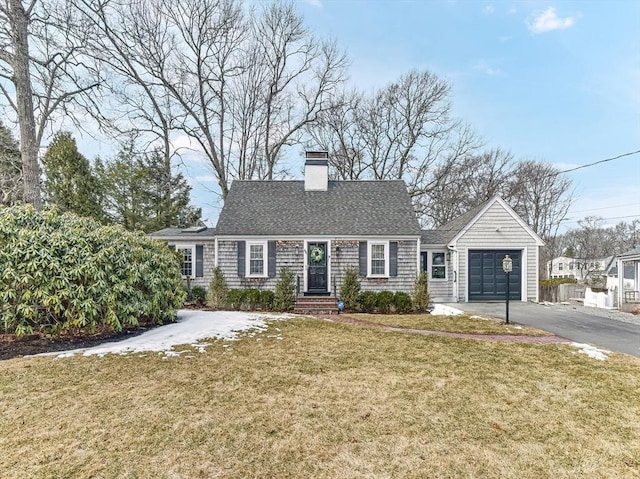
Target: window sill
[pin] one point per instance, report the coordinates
(377, 276)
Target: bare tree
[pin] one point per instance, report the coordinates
(402, 131)
(463, 182)
(541, 196)
(242, 86)
(45, 73)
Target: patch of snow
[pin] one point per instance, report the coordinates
(442, 310)
(482, 318)
(517, 327)
(192, 327)
(592, 351)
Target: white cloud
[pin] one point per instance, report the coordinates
(485, 68)
(489, 8)
(549, 20)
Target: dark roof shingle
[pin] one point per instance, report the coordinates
(347, 208)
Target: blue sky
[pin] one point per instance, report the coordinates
(554, 81)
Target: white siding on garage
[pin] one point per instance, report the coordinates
(498, 229)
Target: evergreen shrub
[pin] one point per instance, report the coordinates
(62, 272)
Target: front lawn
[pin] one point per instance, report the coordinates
(463, 323)
(315, 399)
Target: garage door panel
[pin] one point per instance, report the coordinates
(487, 280)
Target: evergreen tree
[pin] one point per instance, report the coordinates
(11, 185)
(69, 181)
(140, 191)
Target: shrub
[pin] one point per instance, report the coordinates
(218, 290)
(557, 281)
(252, 298)
(421, 297)
(350, 288)
(61, 272)
(266, 300)
(368, 301)
(197, 295)
(235, 298)
(402, 302)
(285, 294)
(384, 301)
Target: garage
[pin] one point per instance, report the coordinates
(487, 280)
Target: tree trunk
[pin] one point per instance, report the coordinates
(24, 103)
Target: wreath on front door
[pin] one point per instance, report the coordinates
(317, 254)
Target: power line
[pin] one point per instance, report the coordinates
(605, 208)
(598, 162)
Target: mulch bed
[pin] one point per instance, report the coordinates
(12, 346)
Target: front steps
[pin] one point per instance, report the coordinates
(316, 305)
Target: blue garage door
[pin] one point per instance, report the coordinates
(487, 280)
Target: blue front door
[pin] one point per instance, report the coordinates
(317, 267)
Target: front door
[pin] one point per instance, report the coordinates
(317, 267)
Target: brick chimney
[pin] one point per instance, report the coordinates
(316, 171)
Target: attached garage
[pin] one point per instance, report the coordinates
(471, 249)
(487, 280)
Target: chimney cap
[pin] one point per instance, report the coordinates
(317, 154)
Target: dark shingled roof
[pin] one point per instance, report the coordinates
(347, 208)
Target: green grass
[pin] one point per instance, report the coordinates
(464, 323)
(325, 401)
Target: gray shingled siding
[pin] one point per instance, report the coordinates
(208, 257)
(438, 289)
(484, 234)
(348, 255)
(285, 256)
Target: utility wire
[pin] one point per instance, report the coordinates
(598, 162)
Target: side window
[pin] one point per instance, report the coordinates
(187, 260)
(438, 266)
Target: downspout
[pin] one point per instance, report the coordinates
(455, 260)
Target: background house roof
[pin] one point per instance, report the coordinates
(347, 208)
(185, 233)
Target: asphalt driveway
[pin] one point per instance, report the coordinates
(575, 323)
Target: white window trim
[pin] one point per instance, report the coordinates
(430, 266)
(247, 257)
(370, 244)
(192, 247)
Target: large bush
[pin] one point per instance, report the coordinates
(350, 289)
(285, 294)
(64, 272)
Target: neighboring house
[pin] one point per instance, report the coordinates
(580, 269)
(318, 228)
(629, 291)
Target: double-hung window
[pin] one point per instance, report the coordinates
(257, 253)
(378, 259)
(188, 260)
(438, 266)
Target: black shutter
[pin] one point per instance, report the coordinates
(172, 247)
(271, 259)
(199, 261)
(363, 258)
(393, 258)
(241, 253)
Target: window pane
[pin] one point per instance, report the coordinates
(256, 262)
(438, 272)
(377, 259)
(438, 259)
(187, 261)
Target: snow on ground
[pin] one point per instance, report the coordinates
(442, 310)
(191, 328)
(592, 351)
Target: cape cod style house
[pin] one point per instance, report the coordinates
(318, 228)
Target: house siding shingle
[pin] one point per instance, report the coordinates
(339, 261)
